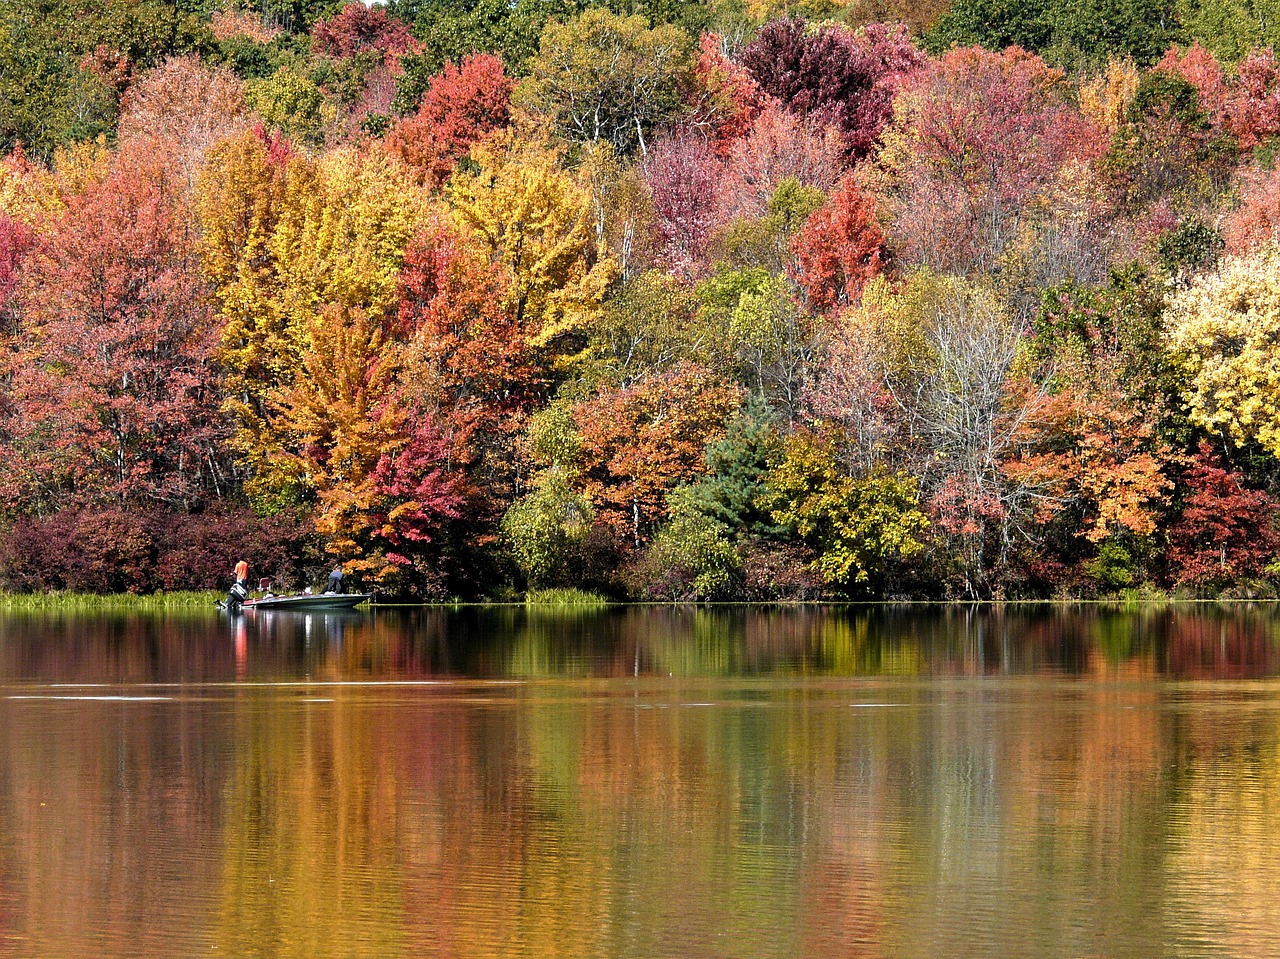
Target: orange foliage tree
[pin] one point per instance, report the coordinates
(1097, 449)
(642, 441)
(382, 484)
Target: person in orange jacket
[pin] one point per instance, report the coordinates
(239, 591)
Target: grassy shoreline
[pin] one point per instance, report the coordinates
(582, 600)
(108, 601)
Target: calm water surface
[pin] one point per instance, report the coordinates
(641, 783)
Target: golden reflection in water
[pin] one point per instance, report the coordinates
(1224, 861)
(309, 847)
(810, 785)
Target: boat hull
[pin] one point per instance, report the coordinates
(305, 602)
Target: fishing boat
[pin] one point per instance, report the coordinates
(305, 602)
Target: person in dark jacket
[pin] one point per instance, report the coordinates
(334, 585)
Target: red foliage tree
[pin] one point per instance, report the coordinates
(109, 65)
(465, 345)
(779, 145)
(16, 240)
(111, 549)
(112, 392)
(1246, 104)
(775, 58)
(471, 371)
(839, 248)
(462, 105)
(1201, 69)
(195, 551)
(100, 551)
(977, 143)
(1226, 531)
(357, 27)
(727, 98)
(1253, 113)
(416, 489)
(1257, 218)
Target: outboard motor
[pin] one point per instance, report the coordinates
(236, 596)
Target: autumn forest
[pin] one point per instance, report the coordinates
(714, 300)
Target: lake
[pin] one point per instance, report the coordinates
(642, 782)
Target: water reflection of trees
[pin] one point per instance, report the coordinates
(585, 819)
(514, 642)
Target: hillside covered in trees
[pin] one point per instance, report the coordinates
(678, 300)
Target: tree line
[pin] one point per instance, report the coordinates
(681, 301)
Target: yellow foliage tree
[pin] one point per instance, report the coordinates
(1222, 332)
(531, 217)
(342, 236)
(284, 237)
(30, 191)
(26, 190)
(1105, 96)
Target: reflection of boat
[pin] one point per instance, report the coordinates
(305, 602)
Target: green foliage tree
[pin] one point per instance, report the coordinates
(857, 525)
(604, 77)
(292, 104)
(1166, 148)
(1231, 28)
(46, 99)
(770, 339)
(647, 327)
(765, 242)
(732, 493)
(451, 30)
(64, 64)
(1077, 34)
(692, 558)
(546, 527)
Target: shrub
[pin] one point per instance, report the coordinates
(121, 550)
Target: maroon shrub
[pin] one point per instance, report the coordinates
(90, 551)
(199, 550)
(137, 551)
(779, 572)
(1226, 532)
